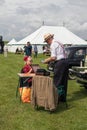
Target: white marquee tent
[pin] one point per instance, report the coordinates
(61, 34)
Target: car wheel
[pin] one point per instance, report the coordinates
(72, 75)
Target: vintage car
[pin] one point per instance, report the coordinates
(76, 54)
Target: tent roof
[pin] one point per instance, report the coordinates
(61, 34)
(13, 41)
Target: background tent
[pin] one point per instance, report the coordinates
(11, 44)
(61, 34)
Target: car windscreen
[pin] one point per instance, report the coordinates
(67, 52)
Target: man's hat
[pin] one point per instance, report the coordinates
(48, 36)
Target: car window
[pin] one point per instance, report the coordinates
(79, 53)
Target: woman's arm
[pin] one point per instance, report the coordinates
(30, 71)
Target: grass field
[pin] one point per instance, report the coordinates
(18, 116)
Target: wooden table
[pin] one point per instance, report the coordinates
(26, 75)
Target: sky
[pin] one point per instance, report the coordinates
(20, 18)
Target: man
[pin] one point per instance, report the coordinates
(61, 65)
(35, 51)
(28, 49)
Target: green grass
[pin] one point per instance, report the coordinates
(18, 116)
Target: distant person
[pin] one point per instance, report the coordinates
(5, 51)
(28, 49)
(21, 51)
(0, 48)
(17, 50)
(44, 50)
(35, 51)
